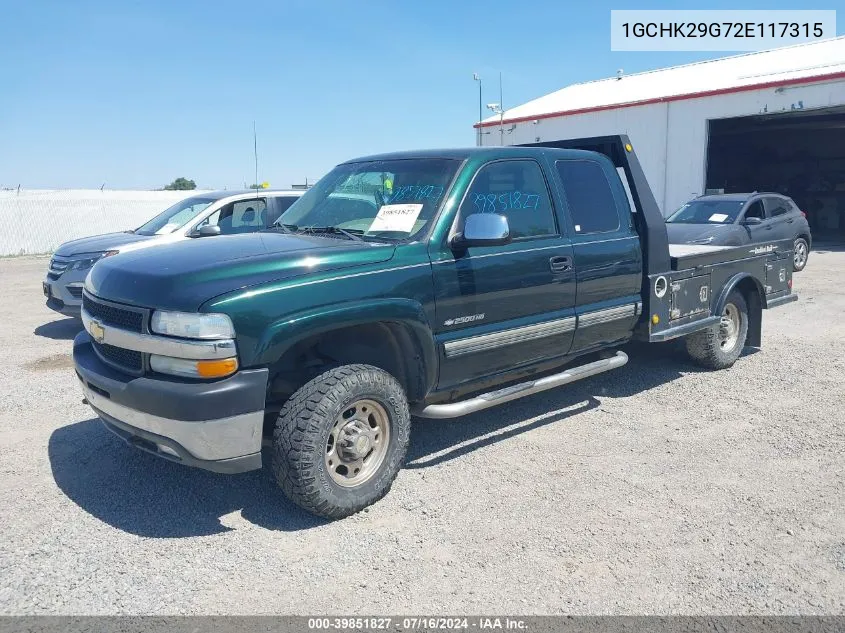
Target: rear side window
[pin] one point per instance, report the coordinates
(776, 206)
(517, 190)
(587, 190)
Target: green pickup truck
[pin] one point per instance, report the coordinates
(430, 284)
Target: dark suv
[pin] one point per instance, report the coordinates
(734, 219)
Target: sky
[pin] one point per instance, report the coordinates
(132, 94)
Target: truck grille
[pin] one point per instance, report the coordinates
(126, 359)
(58, 265)
(120, 316)
(126, 318)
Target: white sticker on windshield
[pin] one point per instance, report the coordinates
(718, 217)
(396, 217)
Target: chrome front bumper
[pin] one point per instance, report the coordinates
(212, 425)
(208, 440)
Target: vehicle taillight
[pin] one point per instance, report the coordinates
(804, 214)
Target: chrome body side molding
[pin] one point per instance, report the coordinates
(484, 342)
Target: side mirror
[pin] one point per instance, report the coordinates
(752, 221)
(208, 230)
(483, 229)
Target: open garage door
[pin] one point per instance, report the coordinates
(798, 153)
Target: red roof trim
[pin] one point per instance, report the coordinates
(691, 95)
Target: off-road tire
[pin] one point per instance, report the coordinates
(800, 263)
(705, 347)
(302, 430)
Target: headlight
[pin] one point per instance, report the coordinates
(86, 263)
(192, 325)
(193, 368)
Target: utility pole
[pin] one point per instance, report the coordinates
(501, 113)
(477, 78)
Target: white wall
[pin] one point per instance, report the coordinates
(38, 221)
(670, 138)
(688, 127)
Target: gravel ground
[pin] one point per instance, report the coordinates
(654, 489)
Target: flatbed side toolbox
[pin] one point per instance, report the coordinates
(686, 299)
(779, 268)
(689, 297)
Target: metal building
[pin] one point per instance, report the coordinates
(771, 120)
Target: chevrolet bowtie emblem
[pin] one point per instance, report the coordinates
(98, 331)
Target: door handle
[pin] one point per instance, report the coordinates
(560, 263)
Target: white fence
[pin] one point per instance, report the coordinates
(37, 221)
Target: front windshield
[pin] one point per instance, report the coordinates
(707, 212)
(388, 199)
(175, 217)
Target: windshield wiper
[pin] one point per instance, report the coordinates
(286, 228)
(352, 234)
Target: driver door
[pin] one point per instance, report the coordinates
(498, 307)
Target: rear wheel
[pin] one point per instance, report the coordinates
(340, 440)
(801, 253)
(720, 345)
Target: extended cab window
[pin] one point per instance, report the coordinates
(517, 190)
(591, 202)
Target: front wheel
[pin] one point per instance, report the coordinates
(801, 253)
(720, 345)
(340, 440)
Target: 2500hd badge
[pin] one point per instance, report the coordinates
(464, 319)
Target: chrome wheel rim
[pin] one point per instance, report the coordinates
(357, 443)
(800, 254)
(729, 328)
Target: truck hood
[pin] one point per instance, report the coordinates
(99, 243)
(721, 234)
(184, 275)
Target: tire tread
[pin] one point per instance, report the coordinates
(299, 430)
(703, 347)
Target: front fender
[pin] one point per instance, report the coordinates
(278, 337)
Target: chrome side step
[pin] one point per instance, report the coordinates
(493, 398)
